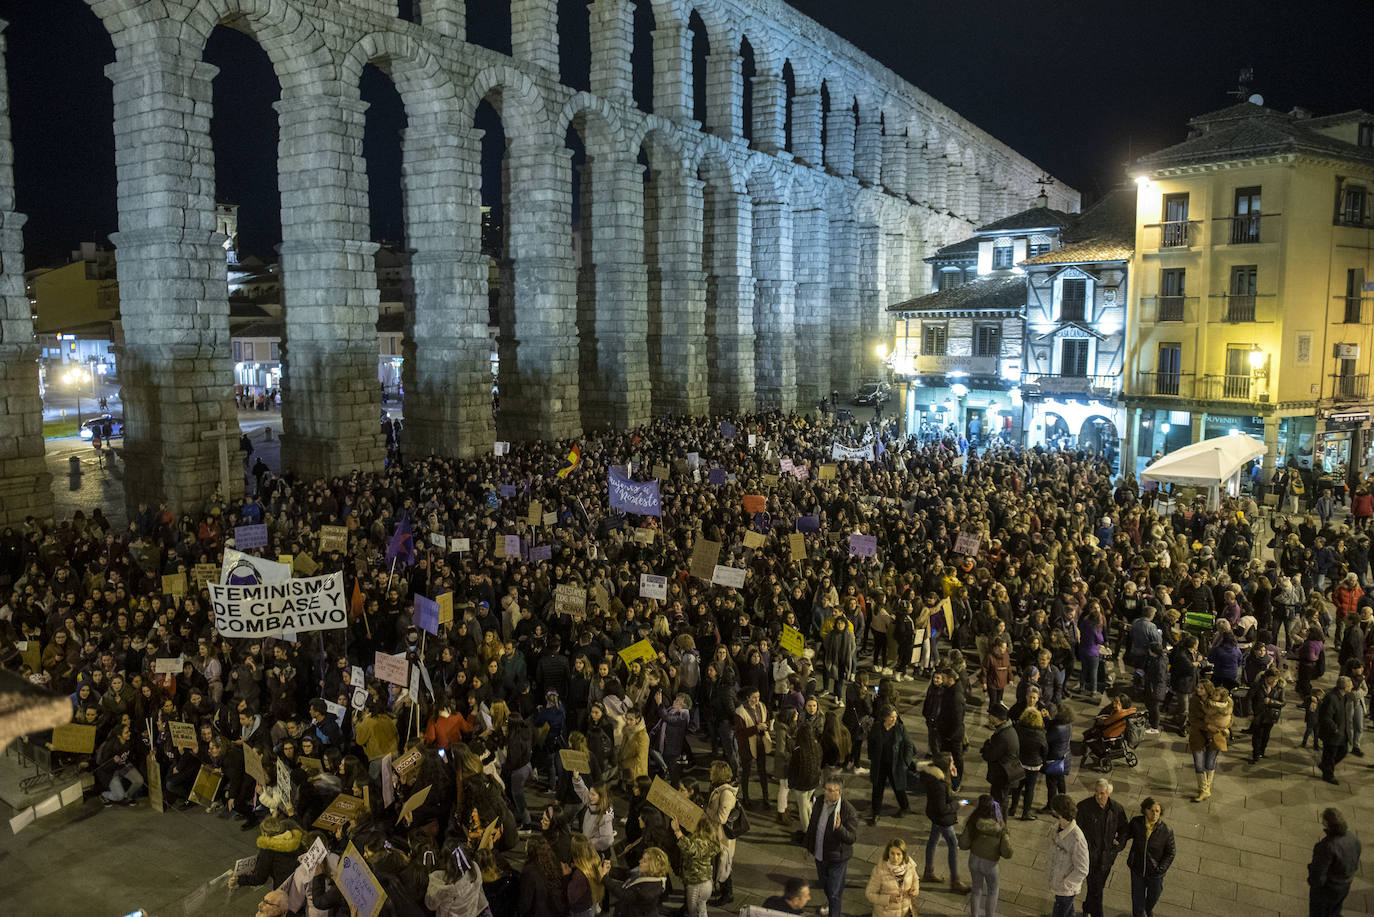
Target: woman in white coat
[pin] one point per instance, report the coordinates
(894, 884)
(1068, 857)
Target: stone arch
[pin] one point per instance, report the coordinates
(516, 98)
(425, 87)
(601, 124)
(296, 48)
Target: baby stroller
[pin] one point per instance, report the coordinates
(1101, 751)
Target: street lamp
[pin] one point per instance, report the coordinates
(1256, 357)
(881, 351)
(76, 378)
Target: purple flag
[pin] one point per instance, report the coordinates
(863, 545)
(541, 552)
(716, 476)
(250, 536)
(809, 524)
(402, 545)
(427, 614)
(633, 497)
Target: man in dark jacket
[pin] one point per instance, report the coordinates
(1333, 728)
(889, 753)
(830, 837)
(1002, 752)
(1335, 860)
(1105, 827)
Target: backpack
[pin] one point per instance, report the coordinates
(737, 822)
(689, 669)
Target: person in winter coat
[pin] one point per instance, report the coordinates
(1103, 823)
(721, 803)
(1068, 857)
(1058, 735)
(889, 753)
(753, 741)
(279, 848)
(997, 671)
(698, 851)
(839, 656)
(1030, 736)
(455, 887)
(986, 839)
(634, 749)
(942, 809)
(598, 819)
(1335, 860)
(1209, 727)
(1150, 856)
(893, 884)
(1002, 752)
(1333, 728)
(640, 896)
(1266, 703)
(803, 773)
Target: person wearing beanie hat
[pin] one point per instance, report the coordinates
(1002, 752)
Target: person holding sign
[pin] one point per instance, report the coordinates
(115, 768)
(598, 818)
(279, 847)
(754, 742)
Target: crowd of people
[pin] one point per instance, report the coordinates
(1028, 586)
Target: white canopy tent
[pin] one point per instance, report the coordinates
(1211, 463)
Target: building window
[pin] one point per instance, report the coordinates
(1168, 368)
(1073, 357)
(247, 351)
(1354, 296)
(934, 339)
(1173, 229)
(1002, 257)
(1245, 227)
(1073, 295)
(1366, 134)
(275, 350)
(1172, 287)
(1351, 211)
(1037, 248)
(238, 351)
(1236, 383)
(950, 277)
(987, 340)
(1240, 302)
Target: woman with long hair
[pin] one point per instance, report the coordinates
(836, 742)
(541, 882)
(585, 886)
(719, 806)
(942, 809)
(1209, 727)
(893, 884)
(598, 818)
(986, 839)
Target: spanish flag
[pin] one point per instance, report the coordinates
(572, 461)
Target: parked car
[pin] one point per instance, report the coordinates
(110, 425)
(872, 393)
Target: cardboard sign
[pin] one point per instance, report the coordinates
(183, 735)
(796, 542)
(863, 545)
(403, 765)
(600, 596)
(204, 573)
(246, 866)
(636, 651)
(792, 641)
(675, 804)
(536, 514)
(344, 810)
(358, 885)
(770, 480)
(311, 766)
(705, 553)
(570, 599)
(168, 665)
(314, 856)
(74, 737)
(174, 584)
(578, 762)
(394, 669)
(305, 564)
(662, 472)
(155, 783)
(785, 465)
(728, 576)
(967, 544)
(754, 539)
(644, 536)
(461, 545)
(550, 519)
(206, 787)
(250, 536)
(827, 472)
(416, 800)
(333, 539)
(284, 782)
(445, 600)
(755, 503)
(653, 587)
(252, 765)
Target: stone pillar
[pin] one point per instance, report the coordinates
(724, 96)
(1271, 446)
(730, 303)
(839, 140)
(618, 393)
(898, 257)
(447, 367)
(612, 39)
(330, 395)
(673, 71)
(770, 111)
(534, 33)
(845, 321)
(676, 293)
(25, 484)
(872, 295)
(775, 341)
(448, 18)
(810, 261)
(806, 126)
(1199, 431)
(918, 173)
(895, 164)
(539, 347)
(1130, 448)
(868, 147)
(953, 199)
(175, 367)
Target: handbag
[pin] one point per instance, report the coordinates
(736, 823)
(1004, 846)
(1059, 767)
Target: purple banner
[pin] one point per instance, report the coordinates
(633, 497)
(250, 536)
(809, 524)
(541, 552)
(427, 614)
(507, 490)
(727, 430)
(717, 476)
(863, 545)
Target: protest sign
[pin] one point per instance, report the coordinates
(770, 480)
(183, 735)
(333, 539)
(570, 599)
(252, 765)
(174, 584)
(266, 609)
(600, 596)
(796, 542)
(507, 490)
(968, 544)
(755, 503)
(403, 765)
(653, 587)
(394, 669)
(287, 559)
(827, 472)
(809, 524)
(461, 545)
(501, 448)
(640, 498)
(705, 553)
(250, 536)
(155, 783)
(536, 514)
(851, 454)
(727, 430)
(728, 576)
(245, 866)
(358, 885)
(512, 546)
(206, 787)
(863, 545)
(577, 762)
(204, 573)
(754, 539)
(792, 640)
(426, 614)
(785, 466)
(636, 651)
(693, 459)
(550, 519)
(438, 540)
(662, 472)
(305, 564)
(801, 472)
(314, 856)
(445, 608)
(416, 800)
(644, 536)
(716, 476)
(168, 665)
(540, 552)
(74, 737)
(244, 569)
(311, 765)
(284, 782)
(674, 804)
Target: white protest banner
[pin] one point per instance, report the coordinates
(167, 665)
(967, 544)
(849, 454)
(461, 545)
(245, 568)
(728, 576)
(439, 541)
(394, 669)
(313, 857)
(653, 587)
(305, 604)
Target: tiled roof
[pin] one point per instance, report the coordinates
(998, 293)
(1032, 218)
(1245, 131)
(963, 247)
(1103, 232)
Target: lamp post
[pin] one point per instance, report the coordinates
(76, 378)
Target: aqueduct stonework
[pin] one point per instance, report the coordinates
(733, 273)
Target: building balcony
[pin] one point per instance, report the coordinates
(1177, 234)
(1237, 308)
(1155, 309)
(1350, 388)
(1230, 387)
(1244, 230)
(1057, 384)
(1166, 385)
(1354, 310)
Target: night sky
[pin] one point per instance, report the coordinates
(1081, 88)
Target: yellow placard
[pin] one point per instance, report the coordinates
(674, 804)
(753, 539)
(305, 564)
(792, 641)
(536, 514)
(75, 738)
(797, 543)
(206, 787)
(445, 600)
(827, 472)
(174, 584)
(636, 651)
(574, 761)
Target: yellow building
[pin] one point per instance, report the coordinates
(1249, 305)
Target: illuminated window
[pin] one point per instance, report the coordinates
(934, 339)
